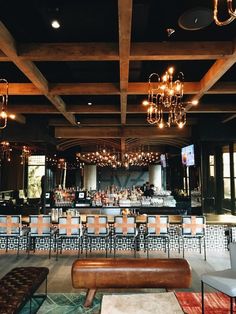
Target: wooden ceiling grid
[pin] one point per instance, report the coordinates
(24, 56)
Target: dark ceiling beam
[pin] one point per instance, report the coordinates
(28, 68)
(222, 88)
(120, 132)
(180, 50)
(85, 89)
(139, 88)
(69, 51)
(110, 51)
(125, 18)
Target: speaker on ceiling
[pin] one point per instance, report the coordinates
(196, 18)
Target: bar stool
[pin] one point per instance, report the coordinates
(11, 227)
(96, 229)
(40, 226)
(125, 228)
(69, 228)
(193, 227)
(157, 227)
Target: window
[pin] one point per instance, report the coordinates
(226, 172)
(212, 165)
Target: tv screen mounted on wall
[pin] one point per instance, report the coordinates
(188, 156)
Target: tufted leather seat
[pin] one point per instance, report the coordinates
(18, 286)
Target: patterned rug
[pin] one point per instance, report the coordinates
(215, 303)
(72, 303)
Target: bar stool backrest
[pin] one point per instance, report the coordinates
(193, 225)
(157, 225)
(125, 225)
(69, 226)
(232, 251)
(10, 225)
(40, 224)
(97, 225)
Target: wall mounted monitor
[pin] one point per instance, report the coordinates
(188, 155)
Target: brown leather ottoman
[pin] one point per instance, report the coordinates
(93, 274)
(18, 286)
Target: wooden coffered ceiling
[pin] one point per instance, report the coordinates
(103, 53)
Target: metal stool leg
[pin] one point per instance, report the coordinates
(202, 290)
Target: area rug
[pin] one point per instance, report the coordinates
(72, 303)
(141, 303)
(215, 303)
(64, 303)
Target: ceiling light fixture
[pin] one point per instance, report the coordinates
(55, 24)
(231, 13)
(3, 103)
(106, 158)
(25, 153)
(165, 95)
(5, 150)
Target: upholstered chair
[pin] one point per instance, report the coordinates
(223, 280)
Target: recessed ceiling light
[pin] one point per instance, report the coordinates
(55, 24)
(89, 104)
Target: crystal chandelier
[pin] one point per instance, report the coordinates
(231, 13)
(165, 95)
(3, 104)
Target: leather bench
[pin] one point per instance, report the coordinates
(18, 286)
(99, 273)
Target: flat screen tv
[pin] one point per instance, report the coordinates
(163, 160)
(187, 155)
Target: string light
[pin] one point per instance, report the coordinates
(104, 158)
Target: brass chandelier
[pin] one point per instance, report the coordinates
(231, 13)
(3, 104)
(166, 95)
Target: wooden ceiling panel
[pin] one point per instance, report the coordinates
(104, 53)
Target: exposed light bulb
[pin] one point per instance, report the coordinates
(55, 24)
(194, 102)
(145, 102)
(171, 70)
(12, 116)
(3, 114)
